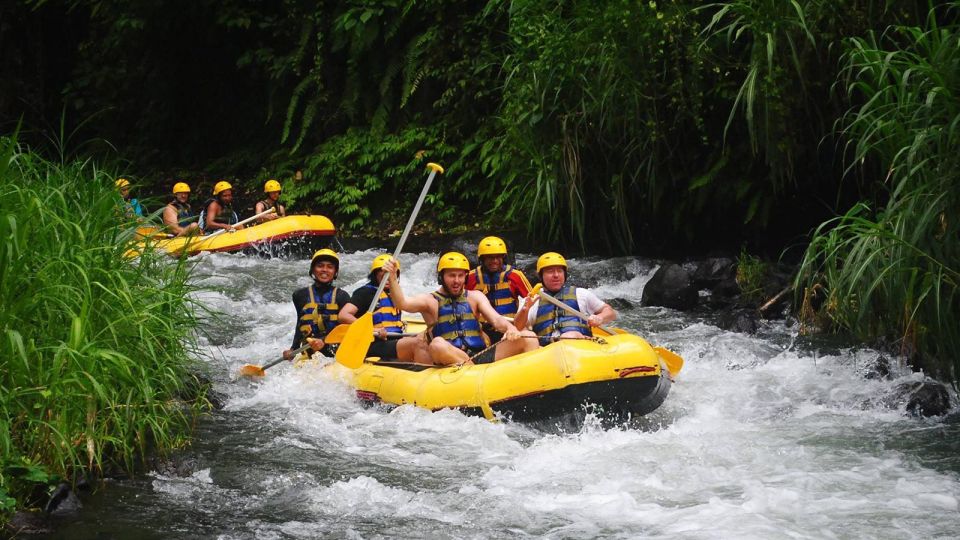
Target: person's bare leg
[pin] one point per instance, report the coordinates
(445, 354)
(527, 342)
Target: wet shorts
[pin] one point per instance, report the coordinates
(486, 357)
(385, 349)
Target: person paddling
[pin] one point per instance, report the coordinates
(177, 215)
(503, 285)
(551, 322)
(318, 306)
(386, 320)
(272, 189)
(218, 211)
(451, 313)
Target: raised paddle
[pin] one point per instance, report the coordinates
(251, 370)
(244, 222)
(354, 347)
(673, 360)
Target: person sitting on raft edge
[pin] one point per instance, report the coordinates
(551, 322)
(387, 320)
(272, 189)
(451, 313)
(218, 211)
(318, 306)
(504, 286)
(177, 216)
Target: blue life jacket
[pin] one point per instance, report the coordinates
(226, 216)
(184, 213)
(385, 314)
(320, 314)
(457, 324)
(550, 318)
(496, 287)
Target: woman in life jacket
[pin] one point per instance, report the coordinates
(218, 211)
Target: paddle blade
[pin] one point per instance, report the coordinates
(251, 370)
(336, 335)
(353, 348)
(673, 360)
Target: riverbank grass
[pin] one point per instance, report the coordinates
(94, 347)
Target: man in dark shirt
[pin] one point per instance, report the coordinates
(318, 306)
(389, 343)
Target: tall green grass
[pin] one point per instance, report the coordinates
(893, 270)
(94, 346)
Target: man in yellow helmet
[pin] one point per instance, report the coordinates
(217, 211)
(131, 207)
(386, 319)
(550, 322)
(177, 215)
(503, 285)
(272, 189)
(452, 314)
(318, 306)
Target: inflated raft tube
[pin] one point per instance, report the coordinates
(283, 236)
(619, 377)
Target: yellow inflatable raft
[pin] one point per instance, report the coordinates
(282, 236)
(619, 376)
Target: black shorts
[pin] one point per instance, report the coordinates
(385, 349)
(486, 357)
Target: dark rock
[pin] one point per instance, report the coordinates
(23, 523)
(175, 466)
(620, 303)
(63, 502)
(740, 320)
(711, 272)
(671, 286)
(925, 398)
(878, 369)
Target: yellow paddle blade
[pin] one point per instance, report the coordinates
(336, 335)
(251, 370)
(353, 348)
(673, 360)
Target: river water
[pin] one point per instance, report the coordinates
(767, 436)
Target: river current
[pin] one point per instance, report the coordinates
(766, 436)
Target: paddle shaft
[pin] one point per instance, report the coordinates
(281, 359)
(406, 232)
(244, 222)
(572, 311)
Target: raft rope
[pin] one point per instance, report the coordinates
(596, 339)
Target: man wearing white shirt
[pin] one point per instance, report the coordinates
(550, 322)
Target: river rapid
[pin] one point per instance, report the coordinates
(767, 436)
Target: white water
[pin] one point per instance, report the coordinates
(759, 438)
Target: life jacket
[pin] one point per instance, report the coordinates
(385, 315)
(320, 313)
(269, 203)
(132, 208)
(457, 324)
(231, 216)
(184, 212)
(550, 318)
(497, 290)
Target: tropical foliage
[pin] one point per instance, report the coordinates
(93, 345)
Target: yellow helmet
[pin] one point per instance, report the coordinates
(380, 260)
(270, 186)
(221, 186)
(325, 254)
(491, 245)
(181, 187)
(121, 183)
(453, 261)
(550, 258)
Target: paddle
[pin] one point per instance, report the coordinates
(673, 360)
(354, 347)
(244, 222)
(251, 370)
